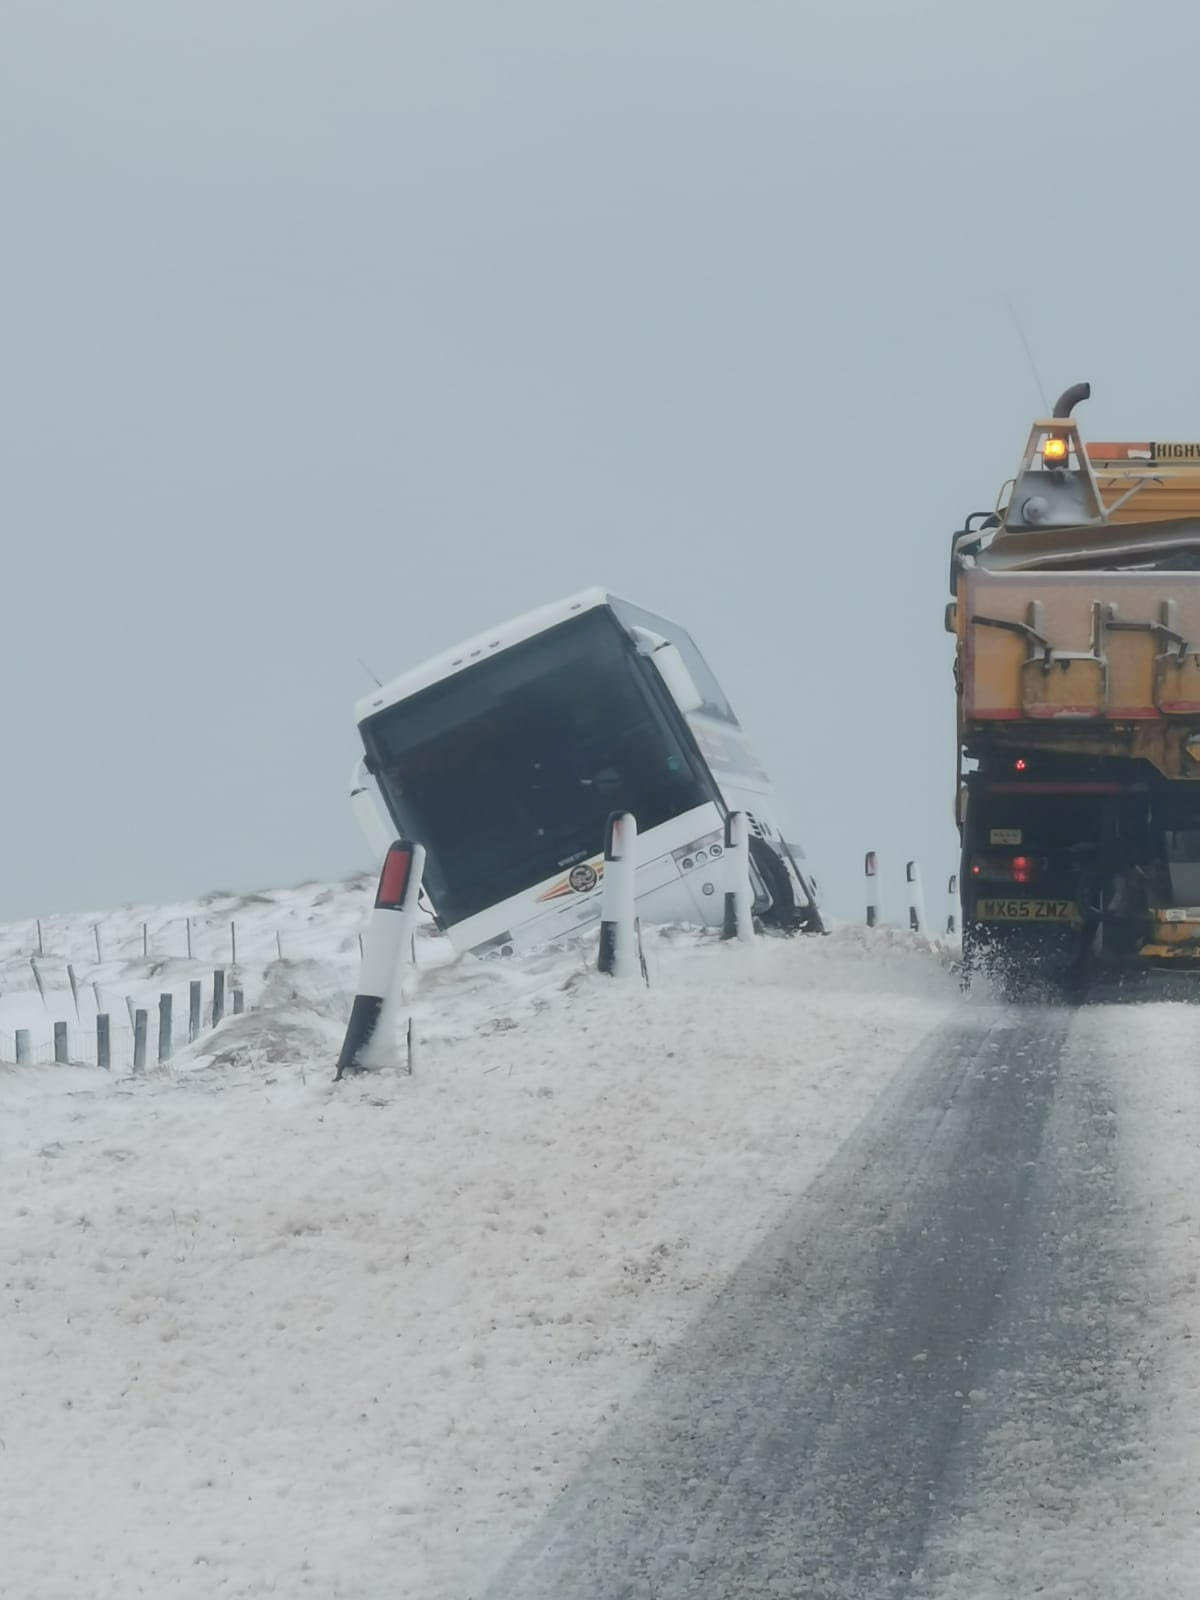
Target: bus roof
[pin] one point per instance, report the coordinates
(472, 651)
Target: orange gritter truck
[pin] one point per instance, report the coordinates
(1076, 618)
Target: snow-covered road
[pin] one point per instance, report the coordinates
(264, 1335)
(794, 1274)
(934, 1379)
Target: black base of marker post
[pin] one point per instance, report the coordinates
(360, 1030)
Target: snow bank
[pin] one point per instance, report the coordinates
(268, 1336)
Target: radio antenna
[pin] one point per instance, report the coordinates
(378, 682)
(1037, 377)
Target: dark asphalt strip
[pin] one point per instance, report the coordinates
(797, 1441)
(1043, 1449)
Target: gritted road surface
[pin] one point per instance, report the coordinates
(818, 1426)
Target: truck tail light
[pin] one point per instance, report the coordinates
(1007, 869)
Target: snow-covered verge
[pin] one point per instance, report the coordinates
(127, 958)
(264, 1335)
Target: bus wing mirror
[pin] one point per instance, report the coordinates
(364, 805)
(671, 668)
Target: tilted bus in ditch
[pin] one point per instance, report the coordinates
(505, 756)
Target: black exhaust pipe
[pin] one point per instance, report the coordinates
(1070, 398)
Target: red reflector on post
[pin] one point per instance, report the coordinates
(393, 880)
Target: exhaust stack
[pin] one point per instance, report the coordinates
(1070, 398)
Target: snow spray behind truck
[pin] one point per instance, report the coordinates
(1076, 617)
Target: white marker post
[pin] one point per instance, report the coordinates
(871, 867)
(371, 1035)
(618, 935)
(739, 896)
(952, 905)
(917, 921)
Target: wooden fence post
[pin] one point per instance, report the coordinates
(165, 1002)
(139, 1040)
(61, 1052)
(145, 941)
(218, 1009)
(194, 1010)
(96, 936)
(41, 948)
(188, 921)
(21, 1050)
(74, 982)
(103, 1042)
(233, 944)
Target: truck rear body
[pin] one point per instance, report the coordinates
(1077, 625)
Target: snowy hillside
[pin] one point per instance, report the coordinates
(268, 1335)
(128, 958)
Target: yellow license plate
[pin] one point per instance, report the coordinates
(1027, 911)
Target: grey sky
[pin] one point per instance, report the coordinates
(352, 328)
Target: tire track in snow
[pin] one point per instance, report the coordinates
(1039, 1498)
(798, 1442)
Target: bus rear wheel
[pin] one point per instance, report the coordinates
(783, 911)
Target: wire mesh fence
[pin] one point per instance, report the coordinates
(229, 941)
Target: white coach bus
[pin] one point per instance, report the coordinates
(504, 758)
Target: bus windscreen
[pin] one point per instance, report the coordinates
(508, 771)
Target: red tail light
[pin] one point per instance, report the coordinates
(1010, 869)
(393, 880)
